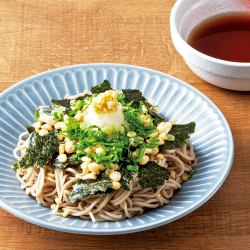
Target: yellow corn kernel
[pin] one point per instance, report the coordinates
(161, 142)
(69, 147)
(145, 160)
(62, 158)
(27, 191)
(116, 185)
(84, 167)
(90, 176)
(65, 118)
(134, 154)
(60, 137)
(94, 167)
(37, 126)
(184, 177)
(53, 206)
(99, 150)
(66, 213)
(43, 132)
(61, 148)
(43, 117)
(163, 136)
(88, 151)
(50, 121)
(164, 127)
(144, 109)
(107, 171)
(20, 171)
(115, 176)
(116, 166)
(37, 130)
(102, 167)
(86, 159)
(79, 116)
(160, 156)
(148, 151)
(147, 122)
(63, 126)
(47, 127)
(155, 151)
(59, 125)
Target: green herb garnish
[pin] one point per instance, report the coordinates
(37, 115)
(135, 123)
(133, 168)
(58, 116)
(114, 144)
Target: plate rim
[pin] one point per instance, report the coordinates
(141, 227)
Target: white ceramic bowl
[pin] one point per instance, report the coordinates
(185, 15)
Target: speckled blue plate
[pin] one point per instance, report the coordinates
(212, 141)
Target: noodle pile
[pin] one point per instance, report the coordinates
(51, 187)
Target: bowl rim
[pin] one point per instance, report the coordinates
(141, 227)
(192, 50)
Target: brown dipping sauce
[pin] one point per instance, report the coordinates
(225, 37)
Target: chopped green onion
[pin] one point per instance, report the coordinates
(83, 125)
(100, 151)
(133, 168)
(170, 137)
(58, 116)
(140, 152)
(154, 134)
(77, 104)
(153, 142)
(131, 134)
(109, 130)
(140, 139)
(122, 129)
(143, 117)
(37, 115)
(133, 142)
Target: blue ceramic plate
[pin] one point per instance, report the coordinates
(212, 141)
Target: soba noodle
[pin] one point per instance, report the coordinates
(51, 187)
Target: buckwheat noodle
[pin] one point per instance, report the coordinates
(51, 187)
